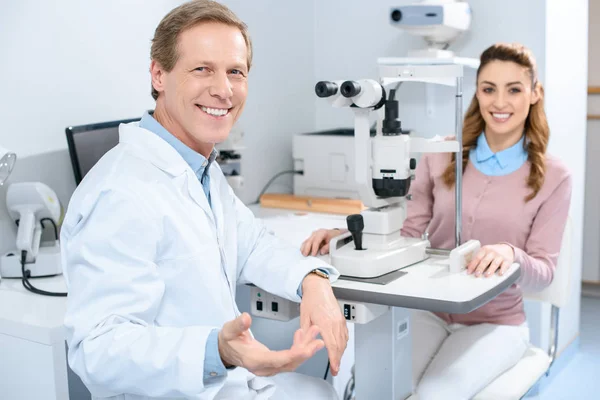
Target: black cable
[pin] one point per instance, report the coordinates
(271, 181)
(26, 274)
(53, 224)
(326, 371)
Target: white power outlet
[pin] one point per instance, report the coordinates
(266, 305)
(361, 313)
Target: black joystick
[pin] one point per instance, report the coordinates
(355, 226)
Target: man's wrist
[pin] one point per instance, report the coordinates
(223, 360)
(317, 276)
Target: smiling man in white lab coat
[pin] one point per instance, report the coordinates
(154, 243)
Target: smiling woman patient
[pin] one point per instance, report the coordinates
(515, 202)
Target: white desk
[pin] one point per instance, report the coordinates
(33, 364)
(383, 346)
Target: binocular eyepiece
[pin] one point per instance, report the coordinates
(347, 89)
(326, 89)
(350, 88)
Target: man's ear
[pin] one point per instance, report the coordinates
(157, 74)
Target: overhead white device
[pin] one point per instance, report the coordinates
(33, 206)
(439, 22)
(384, 168)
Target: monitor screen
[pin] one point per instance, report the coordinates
(88, 143)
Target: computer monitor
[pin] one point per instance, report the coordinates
(88, 143)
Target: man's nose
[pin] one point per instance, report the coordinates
(221, 86)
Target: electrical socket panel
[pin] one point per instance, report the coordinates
(266, 305)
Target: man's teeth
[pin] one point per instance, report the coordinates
(217, 112)
(501, 116)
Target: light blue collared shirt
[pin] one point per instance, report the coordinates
(214, 370)
(199, 164)
(501, 163)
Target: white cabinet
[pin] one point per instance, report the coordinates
(30, 370)
(33, 361)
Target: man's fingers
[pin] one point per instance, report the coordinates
(296, 358)
(317, 242)
(272, 360)
(334, 349)
(234, 328)
(288, 360)
(304, 352)
(303, 337)
(308, 244)
(341, 335)
(313, 347)
(304, 247)
(299, 336)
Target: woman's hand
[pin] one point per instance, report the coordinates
(491, 259)
(319, 240)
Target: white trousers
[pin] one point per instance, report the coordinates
(455, 362)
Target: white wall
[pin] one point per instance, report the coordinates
(566, 106)
(72, 62)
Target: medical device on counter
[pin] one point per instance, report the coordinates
(33, 206)
(384, 166)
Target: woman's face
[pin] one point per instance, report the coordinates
(505, 94)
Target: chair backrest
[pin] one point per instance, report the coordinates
(558, 291)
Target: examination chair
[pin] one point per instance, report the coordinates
(536, 363)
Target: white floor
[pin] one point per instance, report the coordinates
(580, 378)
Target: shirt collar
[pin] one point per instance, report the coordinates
(504, 157)
(195, 160)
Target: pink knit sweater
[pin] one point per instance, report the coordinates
(494, 211)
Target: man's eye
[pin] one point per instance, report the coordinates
(237, 72)
(201, 69)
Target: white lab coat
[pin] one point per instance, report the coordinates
(142, 257)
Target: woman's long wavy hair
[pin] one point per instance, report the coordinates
(537, 131)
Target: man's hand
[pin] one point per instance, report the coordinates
(491, 259)
(319, 307)
(237, 347)
(318, 242)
